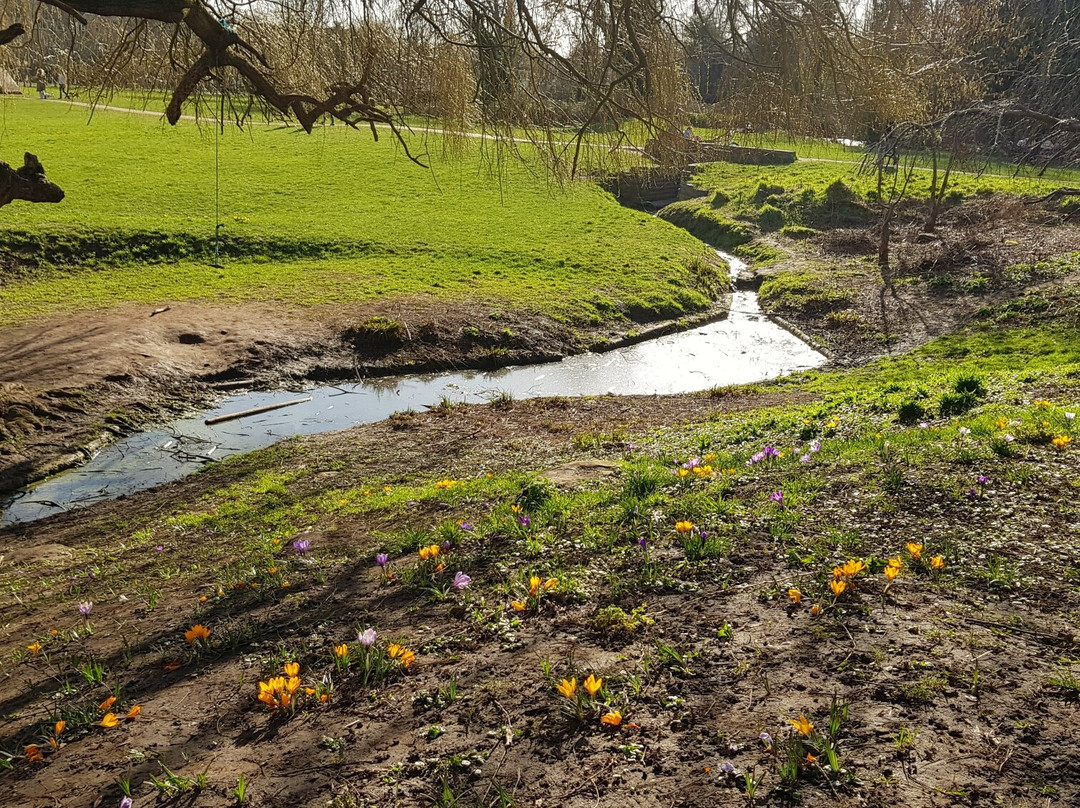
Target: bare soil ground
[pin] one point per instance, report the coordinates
(936, 283)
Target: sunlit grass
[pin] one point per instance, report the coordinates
(478, 223)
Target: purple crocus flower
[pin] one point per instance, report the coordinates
(703, 534)
(446, 546)
(815, 447)
(766, 739)
(160, 548)
(126, 802)
(777, 497)
(805, 458)
(643, 543)
(982, 479)
(524, 520)
(770, 452)
(302, 546)
(461, 581)
(85, 608)
(727, 767)
(367, 637)
(466, 526)
(382, 559)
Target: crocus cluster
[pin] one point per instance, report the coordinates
(537, 588)
(110, 719)
(844, 576)
(699, 467)
(812, 450)
(279, 692)
(588, 700)
(767, 454)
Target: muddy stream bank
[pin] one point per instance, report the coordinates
(744, 347)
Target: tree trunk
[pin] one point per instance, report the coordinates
(28, 183)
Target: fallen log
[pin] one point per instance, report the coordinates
(232, 416)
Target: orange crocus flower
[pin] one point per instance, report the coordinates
(568, 688)
(109, 720)
(612, 719)
(802, 725)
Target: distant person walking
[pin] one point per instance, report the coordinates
(62, 81)
(41, 83)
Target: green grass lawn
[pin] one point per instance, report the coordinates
(366, 222)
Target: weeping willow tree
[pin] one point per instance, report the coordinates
(579, 81)
(544, 71)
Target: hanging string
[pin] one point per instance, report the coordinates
(218, 225)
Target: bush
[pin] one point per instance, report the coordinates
(771, 218)
(910, 412)
(797, 231)
(969, 385)
(615, 622)
(765, 191)
(956, 403)
(377, 334)
(536, 493)
(837, 193)
(845, 320)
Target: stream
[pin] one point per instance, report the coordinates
(744, 347)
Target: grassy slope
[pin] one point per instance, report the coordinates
(462, 229)
(916, 655)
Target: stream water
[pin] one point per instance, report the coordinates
(745, 347)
